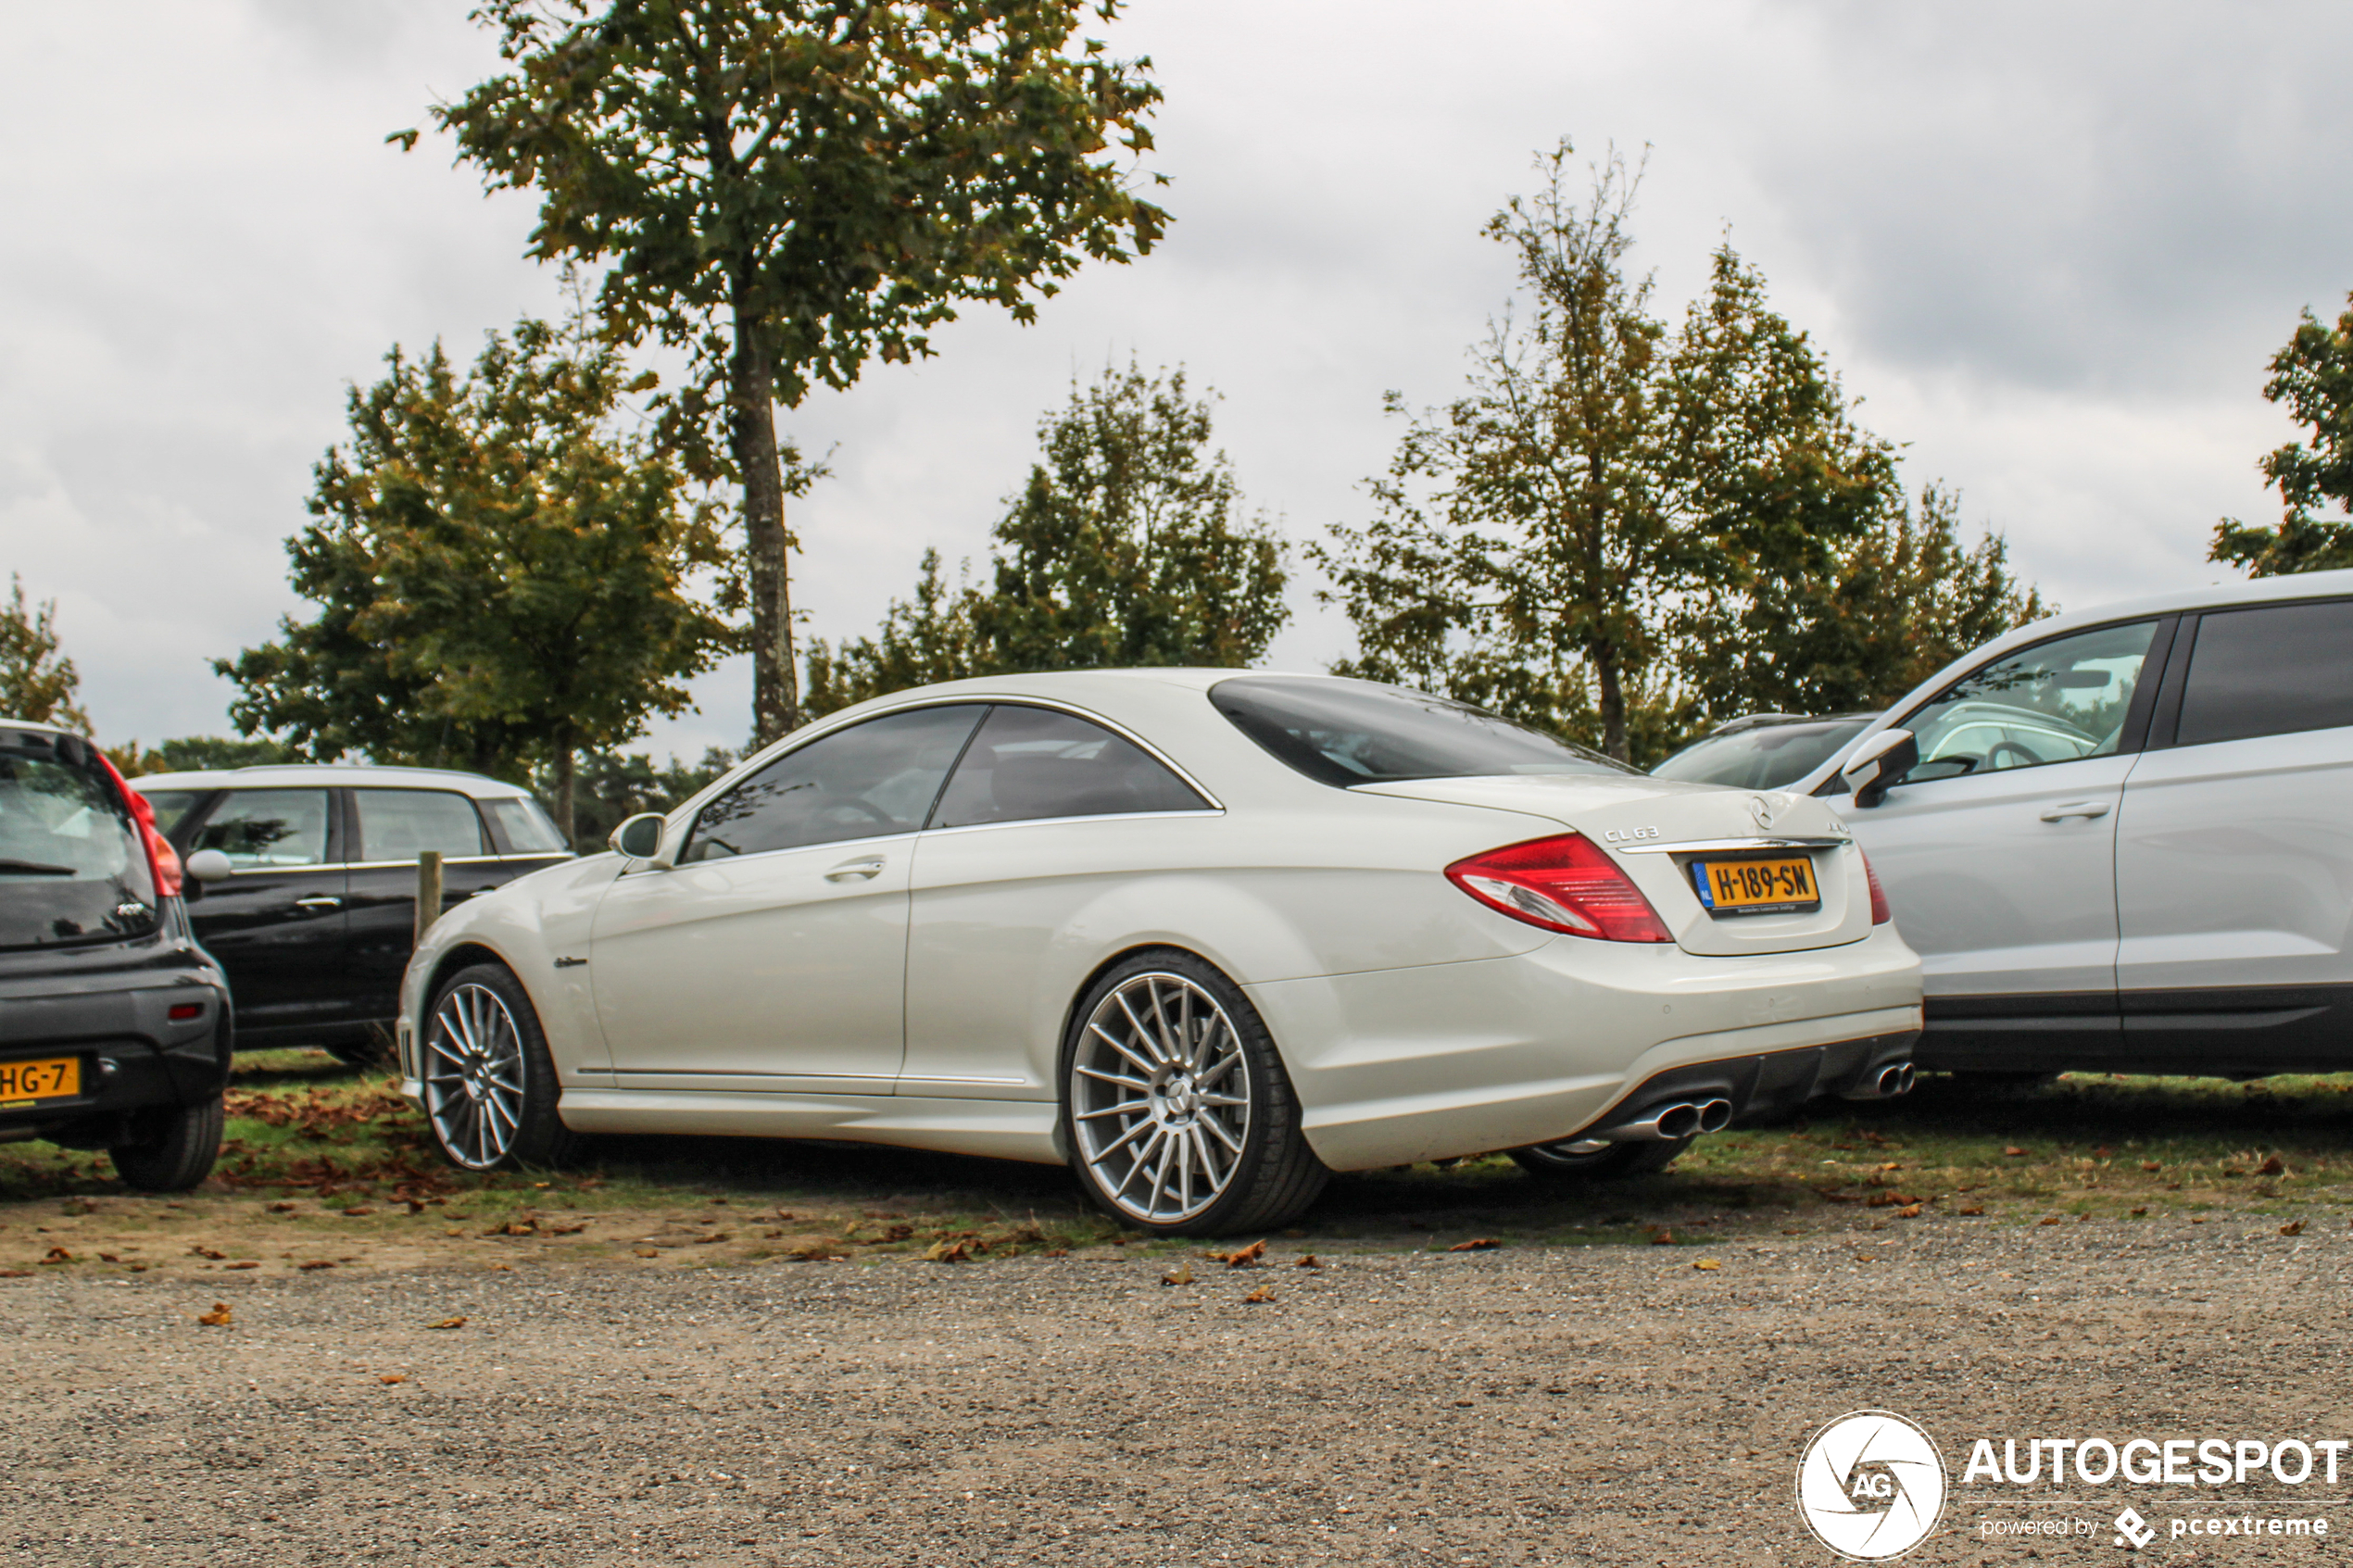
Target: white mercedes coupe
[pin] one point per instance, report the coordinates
(1205, 935)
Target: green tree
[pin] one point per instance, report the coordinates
(784, 188)
(503, 574)
(1606, 488)
(2313, 376)
(37, 683)
(191, 754)
(1859, 629)
(610, 786)
(1127, 547)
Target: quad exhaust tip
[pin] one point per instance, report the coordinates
(1671, 1123)
(1894, 1079)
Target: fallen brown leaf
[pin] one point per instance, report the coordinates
(1308, 1260)
(2197, 1219)
(393, 1377)
(200, 1250)
(314, 1265)
(23, 1274)
(249, 1264)
(948, 1251)
(2151, 1165)
(2013, 1150)
(2273, 1166)
(1663, 1238)
(1910, 1212)
(1707, 1263)
(1241, 1257)
(2143, 1210)
(2294, 1227)
(567, 1230)
(647, 1251)
(1181, 1275)
(354, 1213)
(59, 1255)
(448, 1322)
(217, 1318)
(2048, 1220)
(1891, 1165)
(1476, 1244)
(1264, 1293)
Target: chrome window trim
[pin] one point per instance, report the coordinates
(1090, 817)
(1705, 846)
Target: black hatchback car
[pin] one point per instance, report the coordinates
(302, 881)
(115, 1026)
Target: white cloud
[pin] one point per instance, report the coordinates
(2052, 245)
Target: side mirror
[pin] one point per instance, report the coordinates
(1877, 763)
(208, 866)
(639, 838)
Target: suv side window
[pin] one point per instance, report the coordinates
(400, 824)
(2270, 670)
(267, 827)
(1031, 763)
(865, 782)
(2054, 702)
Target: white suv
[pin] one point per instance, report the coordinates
(2123, 840)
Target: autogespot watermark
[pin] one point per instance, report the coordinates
(1872, 1485)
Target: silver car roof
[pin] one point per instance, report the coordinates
(320, 775)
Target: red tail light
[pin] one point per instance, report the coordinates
(1564, 883)
(163, 862)
(1880, 913)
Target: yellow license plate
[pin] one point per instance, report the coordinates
(1756, 887)
(23, 1083)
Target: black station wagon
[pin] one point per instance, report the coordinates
(302, 881)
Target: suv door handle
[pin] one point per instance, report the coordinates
(871, 866)
(2076, 809)
(318, 901)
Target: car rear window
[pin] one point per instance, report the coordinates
(1347, 733)
(1765, 757)
(73, 869)
(2275, 669)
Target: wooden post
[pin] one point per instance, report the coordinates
(428, 894)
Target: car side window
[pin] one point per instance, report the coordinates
(871, 779)
(259, 828)
(1028, 763)
(2054, 702)
(400, 824)
(2272, 669)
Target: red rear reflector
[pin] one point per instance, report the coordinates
(1880, 913)
(183, 1012)
(1564, 883)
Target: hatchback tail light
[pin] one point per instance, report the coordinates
(1881, 912)
(1566, 884)
(163, 862)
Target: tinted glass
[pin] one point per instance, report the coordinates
(1353, 732)
(526, 827)
(2061, 700)
(71, 866)
(267, 827)
(1033, 762)
(170, 805)
(875, 778)
(1766, 756)
(2273, 671)
(400, 824)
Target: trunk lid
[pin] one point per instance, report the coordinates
(1658, 830)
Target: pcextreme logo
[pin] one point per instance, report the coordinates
(1871, 1486)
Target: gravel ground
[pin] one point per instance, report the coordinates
(1526, 1405)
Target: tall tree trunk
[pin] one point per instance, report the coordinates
(1613, 701)
(564, 770)
(752, 438)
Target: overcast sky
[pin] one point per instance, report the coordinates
(2052, 245)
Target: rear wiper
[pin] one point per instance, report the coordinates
(34, 868)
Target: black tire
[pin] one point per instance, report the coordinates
(1556, 1162)
(1273, 1175)
(171, 1148)
(467, 1127)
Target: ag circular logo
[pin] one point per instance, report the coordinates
(1871, 1485)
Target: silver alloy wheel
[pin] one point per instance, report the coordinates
(1159, 1097)
(474, 1076)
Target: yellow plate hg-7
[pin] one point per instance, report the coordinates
(27, 1083)
(1756, 887)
